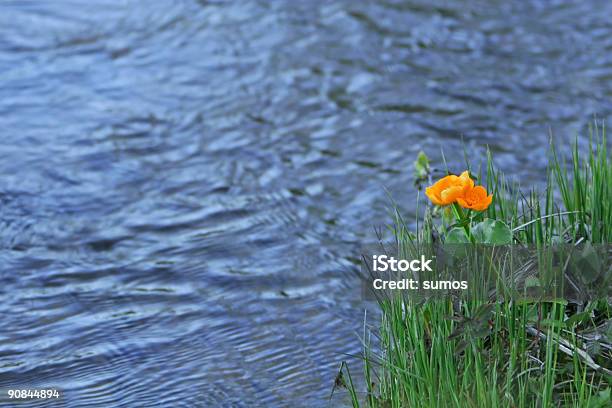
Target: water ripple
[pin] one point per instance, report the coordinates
(185, 186)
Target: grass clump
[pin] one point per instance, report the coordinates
(486, 352)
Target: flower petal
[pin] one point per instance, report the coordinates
(479, 192)
(431, 192)
(462, 202)
(450, 194)
(466, 179)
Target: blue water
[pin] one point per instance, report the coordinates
(185, 185)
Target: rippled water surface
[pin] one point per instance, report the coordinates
(185, 185)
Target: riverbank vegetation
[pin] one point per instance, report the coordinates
(498, 351)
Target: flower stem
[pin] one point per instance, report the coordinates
(463, 219)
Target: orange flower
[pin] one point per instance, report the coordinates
(475, 198)
(446, 190)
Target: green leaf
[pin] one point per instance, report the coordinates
(421, 166)
(532, 282)
(483, 312)
(601, 400)
(456, 236)
(455, 243)
(461, 224)
(587, 264)
(578, 318)
(550, 323)
(492, 232)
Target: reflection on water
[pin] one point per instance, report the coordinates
(185, 184)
